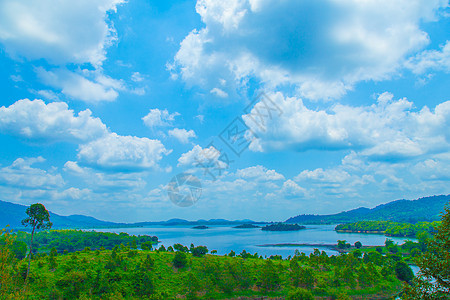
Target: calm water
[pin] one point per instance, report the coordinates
(225, 238)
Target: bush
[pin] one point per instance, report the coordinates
(403, 271)
(358, 244)
(179, 260)
(299, 294)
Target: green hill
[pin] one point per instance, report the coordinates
(11, 214)
(423, 209)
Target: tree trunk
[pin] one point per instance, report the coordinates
(29, 255)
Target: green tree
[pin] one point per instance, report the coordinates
(199, 251)
(403, 271)
(433, 281)
(358, 244)
(269, 278)
(179, 260)
(38, 218)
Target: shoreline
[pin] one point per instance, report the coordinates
(328, 246)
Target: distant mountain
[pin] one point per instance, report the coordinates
(422, 209)
(11, 214)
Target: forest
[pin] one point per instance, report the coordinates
(389, 228)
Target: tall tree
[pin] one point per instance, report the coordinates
(433, 281)
(38, 218)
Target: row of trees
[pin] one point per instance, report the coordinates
(389, 228)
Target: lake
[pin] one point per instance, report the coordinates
(225, 238)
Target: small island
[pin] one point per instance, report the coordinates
(200, 227)
(246, 226)
(283, 227)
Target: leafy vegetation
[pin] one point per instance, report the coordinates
(77, 240)
(282, 227)
(433, 281)
(244, 226)
(126, 273)
(389, 228)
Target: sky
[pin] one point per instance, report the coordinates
(269, 108)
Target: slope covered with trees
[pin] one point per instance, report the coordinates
(424, 209)
(125, 273)
(389, 228)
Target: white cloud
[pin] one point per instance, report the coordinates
(78, 87)
(137, 77)
(321, 176)
(259, 173)
(60, 32)
(202, 157)
(20, 174)
(159, 118)
(182, 135)
(219, 93)
(37, 121)
(387, 130)
(331, 44)
(292, 189)
(431, 60)
(127, 153)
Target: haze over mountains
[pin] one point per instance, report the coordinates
(423, 209)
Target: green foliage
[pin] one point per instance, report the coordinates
(343, 244)
(269, 279)
(299, 294)
(283, 227)
(38, 217)
(149, 275)
(403, 271)
(179, 260)
(433, 281)
(199, 251)
(358, 244)
(77, 240)
(389, 228)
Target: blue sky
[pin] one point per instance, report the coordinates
(338, 104)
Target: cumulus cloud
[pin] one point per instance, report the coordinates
(127, 153)
(431, 60)
(159, 118)
(292, 189)
(310, 45)
(259, 173)
(60, 32)
(36, 121)
(387, 130)
(182, 135)
(21, 174)
(206, 157)
(78, 87)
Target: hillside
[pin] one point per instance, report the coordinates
(422, 209)
(11, 214)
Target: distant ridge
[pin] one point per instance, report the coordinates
(422, 209)
(11, 214)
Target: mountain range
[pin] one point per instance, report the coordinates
(422, 209)
(11, 214)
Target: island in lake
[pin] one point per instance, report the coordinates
(283, 227)
(246, 226)
(200, 227)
